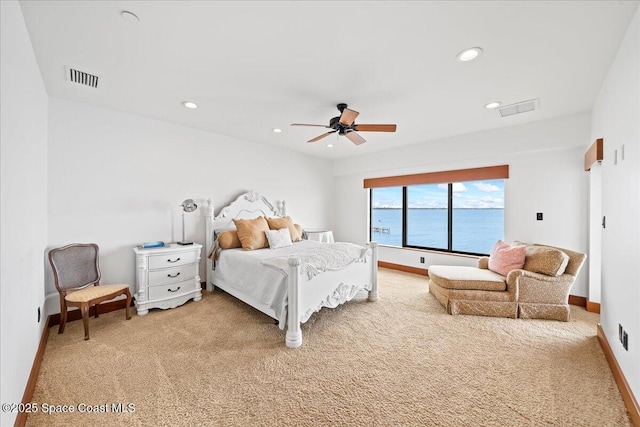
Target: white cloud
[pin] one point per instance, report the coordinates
(457, 186)
(488, 188)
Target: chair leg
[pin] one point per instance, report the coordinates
(84, 307)
(63, 315)
(127, 312)
(96, 308)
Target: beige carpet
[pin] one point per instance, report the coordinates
(400, 361)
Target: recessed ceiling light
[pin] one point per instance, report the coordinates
(469, 54)
(276, 130)
(329, 145)
(129, 16)
(493, 105)
(190, 104)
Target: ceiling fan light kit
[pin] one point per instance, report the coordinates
(344, 125)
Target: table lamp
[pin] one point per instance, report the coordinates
(187, 206)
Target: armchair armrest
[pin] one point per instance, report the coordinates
(540, 288)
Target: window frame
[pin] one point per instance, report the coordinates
(404, 181)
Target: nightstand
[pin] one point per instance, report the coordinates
(167, 277)
(320, 235)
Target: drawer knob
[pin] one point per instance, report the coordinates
(175, 275)
(172, 261)
(171, 290)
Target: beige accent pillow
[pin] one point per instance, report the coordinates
(251, 233)
(279, 223)
(229, 239)
(545, 260)
(299, 230)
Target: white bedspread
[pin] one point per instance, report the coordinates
(262, 274)
(317, 258)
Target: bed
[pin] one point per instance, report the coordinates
(280, 282)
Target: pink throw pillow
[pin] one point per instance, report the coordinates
(505, 258)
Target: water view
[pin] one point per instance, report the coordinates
(474, 230)
(478, 215)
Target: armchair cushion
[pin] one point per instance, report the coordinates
(466, 278)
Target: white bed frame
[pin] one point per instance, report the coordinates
(328, 289)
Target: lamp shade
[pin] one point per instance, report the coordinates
(189, 205)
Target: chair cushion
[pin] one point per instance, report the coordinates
(93, 292)
(467, 278)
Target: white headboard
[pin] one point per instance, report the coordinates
(247, 206)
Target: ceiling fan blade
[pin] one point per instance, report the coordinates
(375, 128)
(305, 124)
(355, 138)
(317, 138)
(348, 117)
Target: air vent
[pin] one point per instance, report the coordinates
(82, 77)
(518, 108)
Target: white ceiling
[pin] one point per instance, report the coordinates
(253, 66)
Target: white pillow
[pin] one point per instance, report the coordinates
(279, 238)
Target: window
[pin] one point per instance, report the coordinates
(386, 215)
(456, 216)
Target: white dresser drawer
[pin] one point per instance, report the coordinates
(171, 275)
(171, 290)
(171, 260)
(167, 277)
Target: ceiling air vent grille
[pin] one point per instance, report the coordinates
(82, 77)
(519, 108)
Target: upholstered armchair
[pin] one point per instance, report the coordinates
(544, 296)
(538, 290)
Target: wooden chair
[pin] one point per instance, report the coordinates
(77, 278)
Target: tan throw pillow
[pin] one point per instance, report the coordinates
(279, 223)
(229, 239)
(299, 230)
(251, 233)
(545, 260)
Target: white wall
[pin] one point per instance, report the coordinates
(616, 118)
(546, 170)
(23, 140)
(595, 232)
(117, 179)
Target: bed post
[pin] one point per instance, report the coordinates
(373, 293)
(209, 217)
(294, 333)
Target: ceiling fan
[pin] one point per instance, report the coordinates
(345, 125)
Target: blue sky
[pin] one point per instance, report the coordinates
(469, 195)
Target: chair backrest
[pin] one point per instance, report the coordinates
(75, 266)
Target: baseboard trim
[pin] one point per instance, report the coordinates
(593, 307)
(406, 268)
(27, 397)
(627, 395)
(577, 300)
(53, 320)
